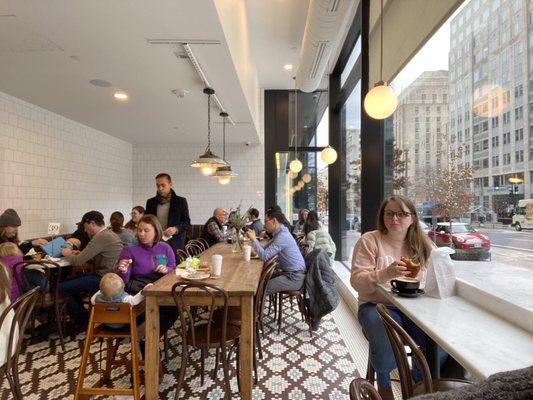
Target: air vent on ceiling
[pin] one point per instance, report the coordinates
(319, 53)
(182, 41)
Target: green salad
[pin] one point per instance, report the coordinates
(195, 263)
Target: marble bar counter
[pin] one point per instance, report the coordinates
(487, 325)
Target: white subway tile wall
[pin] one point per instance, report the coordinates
(203, 194)
(53, 169)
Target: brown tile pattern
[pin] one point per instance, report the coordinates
(294, 367)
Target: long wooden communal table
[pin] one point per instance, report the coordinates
(239, 279)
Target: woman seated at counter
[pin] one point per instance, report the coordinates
(147, 262)
(376, 260)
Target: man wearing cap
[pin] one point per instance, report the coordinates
(171, 210)
(103, 251)
(9, 226)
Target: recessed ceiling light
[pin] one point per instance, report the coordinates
(120, 96)
(287, 67)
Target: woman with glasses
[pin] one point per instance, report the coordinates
(376, 260)
(137, 213)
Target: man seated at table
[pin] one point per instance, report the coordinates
(103, 251)
(291, 262)
(256, 224)
(213, 230)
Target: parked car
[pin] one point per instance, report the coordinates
(468, 243)
(424, 226)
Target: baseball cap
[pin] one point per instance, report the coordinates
(95, 216)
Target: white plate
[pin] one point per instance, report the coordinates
(198, 276)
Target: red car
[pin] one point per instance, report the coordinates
(468, 243)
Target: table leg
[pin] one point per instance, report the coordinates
(151, 369)
(432, 357)
(247, 332)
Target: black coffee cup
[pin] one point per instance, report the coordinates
(405, 285)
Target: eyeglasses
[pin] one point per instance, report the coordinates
(399, 214)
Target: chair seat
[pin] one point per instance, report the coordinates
(292, 293)
(232, 333)
(47, 300)
(441, 385)
(103, 331)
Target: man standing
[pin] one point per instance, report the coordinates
(213, 231)
(290, 259)
(171, 210)
(103, 251)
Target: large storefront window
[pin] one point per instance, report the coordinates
(307, 189)
(351, 171)
(463, 130)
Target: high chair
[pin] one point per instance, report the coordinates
(112, 313)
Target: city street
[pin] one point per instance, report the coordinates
(511, 247)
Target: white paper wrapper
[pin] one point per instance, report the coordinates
(440, 281)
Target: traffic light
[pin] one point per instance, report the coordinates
(511, 191)
(516, 191)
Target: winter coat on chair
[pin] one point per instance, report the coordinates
(320, 287)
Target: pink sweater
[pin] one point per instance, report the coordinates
(373, 253)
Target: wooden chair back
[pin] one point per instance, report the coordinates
(180, 290)
(260, 295)
(202, 242)
(361, 389)
(21, 309)
(399, 338)
(181, 255)
(49, 269)
(193, 249)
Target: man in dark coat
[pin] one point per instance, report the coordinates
(171, 210)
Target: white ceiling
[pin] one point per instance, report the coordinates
(277, 28)
(50, 50)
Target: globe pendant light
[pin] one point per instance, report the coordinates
(328, 155)
(295, 165)
(208, 162)
(224, 174)
(381, 101)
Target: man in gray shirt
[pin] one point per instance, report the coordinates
(102, 251)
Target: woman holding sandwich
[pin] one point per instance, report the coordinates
(377, 260)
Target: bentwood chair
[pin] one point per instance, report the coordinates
(49, 300)
(206, 333)
(115, 313)
(203, 243)
(14, 320)
(399, 338)
(193, 248)
(181, 255)
(234, 313)
(361, 389)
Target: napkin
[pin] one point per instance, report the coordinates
(440, 281)
(166, 238)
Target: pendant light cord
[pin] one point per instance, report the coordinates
(224, 138)
(295, 121)
(208, 122)
(381, 47)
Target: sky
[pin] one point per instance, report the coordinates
(432, 57)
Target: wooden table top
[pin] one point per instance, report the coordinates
(238, 277)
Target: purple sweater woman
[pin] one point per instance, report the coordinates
(148, 261)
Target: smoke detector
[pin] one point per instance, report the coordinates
(180, 93)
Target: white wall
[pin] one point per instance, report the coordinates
(203, 194)
(53, 169)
